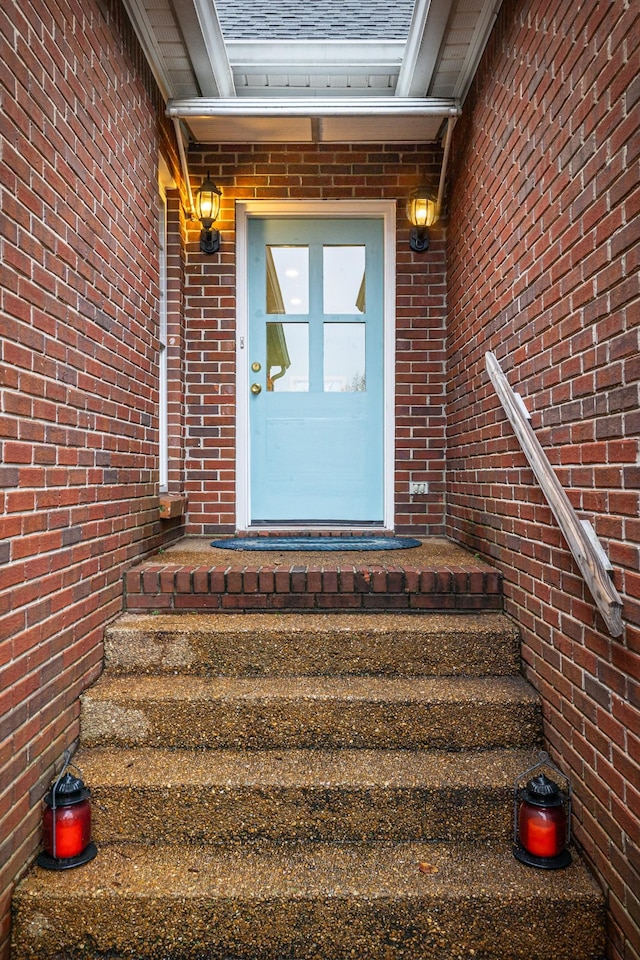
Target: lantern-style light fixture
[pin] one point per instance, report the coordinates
(66, 823)
(422, 212)
(207, 209)
(542, 817)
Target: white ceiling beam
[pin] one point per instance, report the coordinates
(312, 107)
(202, 32)
(318, 56)
(293, 87)
(196, 48)
(426, 32)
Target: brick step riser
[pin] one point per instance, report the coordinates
(219, 814)
(237, 725)
(331, 928)
(318, 603)
(279, 588)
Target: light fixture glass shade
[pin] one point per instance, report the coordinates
(422, 208)
(208, 202)
(422, 212)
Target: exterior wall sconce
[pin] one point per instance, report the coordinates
(422, 212)
(542, 818)
(207, 210)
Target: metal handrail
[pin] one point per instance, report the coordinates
(586, 553)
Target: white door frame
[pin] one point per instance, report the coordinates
(245, 209)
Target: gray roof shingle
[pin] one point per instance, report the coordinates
(315, 19)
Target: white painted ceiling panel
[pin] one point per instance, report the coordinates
(368, 129)
(251, 130)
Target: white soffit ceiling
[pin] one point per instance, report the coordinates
(305, 130)
(277, 71)
(298, 120)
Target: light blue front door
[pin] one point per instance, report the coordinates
(316, 370)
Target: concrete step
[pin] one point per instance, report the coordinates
(309, 902)
(236, 645)
(448, 713)
(178, 796)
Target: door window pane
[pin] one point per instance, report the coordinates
(287, 279)
(343, 279)
(344, 358)
(288, 357)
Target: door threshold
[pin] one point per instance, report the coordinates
(315, 529)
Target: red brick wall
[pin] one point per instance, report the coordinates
(543, 260)
(313, 172)
(78, 375)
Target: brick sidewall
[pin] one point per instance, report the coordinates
(78, 375)
(543, 260)
(314, 172)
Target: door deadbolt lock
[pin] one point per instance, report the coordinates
(256, 367)
(256, 388)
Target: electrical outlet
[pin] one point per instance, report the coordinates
(418, 489)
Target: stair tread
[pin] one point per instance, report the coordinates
(433, 553)
(312, 688)
(479, 870)
(105, 767)
(311, 901)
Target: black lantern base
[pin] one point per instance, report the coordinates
(209, 241)
(419, 239)
(558, 862)
(48, 862)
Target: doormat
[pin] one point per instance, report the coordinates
(316, 543)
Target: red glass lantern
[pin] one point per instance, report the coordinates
(66, 824)
(542, 817)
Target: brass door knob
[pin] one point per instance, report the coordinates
(256, 388)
